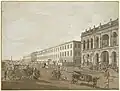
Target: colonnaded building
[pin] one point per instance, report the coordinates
(100, 45)
(68, 53)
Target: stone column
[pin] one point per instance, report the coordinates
(109, 39)
(85, 44)
(94, 58)
(118, 38)
(90, 43)
(81, 45)
(110, 59)
(82, 59)
(93, 42)
(100, 41)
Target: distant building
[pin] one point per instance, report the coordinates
(32, 57)
(68, 53)
(100, 45)
(27, 58)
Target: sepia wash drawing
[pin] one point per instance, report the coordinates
(90, 62)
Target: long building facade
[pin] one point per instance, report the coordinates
(100, 45)
(68, 53)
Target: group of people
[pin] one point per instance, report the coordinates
(56, 74)
(28, 72)
(32, 72)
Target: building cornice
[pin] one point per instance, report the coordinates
(101, 27)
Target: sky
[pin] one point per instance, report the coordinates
(33, 26)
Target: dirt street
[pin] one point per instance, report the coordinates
(45, 83)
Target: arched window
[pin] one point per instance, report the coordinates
(87, 59)
(88, 44)
(114, 59)
(84, 45)
(97, 59)
(105, 57)
(105, 40)
(97, 42)
(91, 43)
(114, 38)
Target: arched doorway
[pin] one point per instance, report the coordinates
(84, 45)
(105, 58)
(88, 44)
(114, 59)
(96, 59)
(114, 38)
(105, 40)
(91, 43)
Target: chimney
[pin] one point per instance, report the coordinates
(94, 26)
(85, 30)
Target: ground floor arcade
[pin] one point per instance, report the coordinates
(101, 57)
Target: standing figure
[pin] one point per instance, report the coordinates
(58, 75)
(106, 75)
(5, 74)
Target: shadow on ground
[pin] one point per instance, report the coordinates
(90, 85)
(28, 86)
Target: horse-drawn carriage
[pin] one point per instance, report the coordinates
(82, 76)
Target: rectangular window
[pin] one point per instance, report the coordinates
(65, 53)
(70, 45)
(75, 46)
(78, 45)
(65, 46)
(68, 53)
(71, 53)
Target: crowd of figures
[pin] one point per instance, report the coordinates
(19, 74)
(102, 66)
(34, 73)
